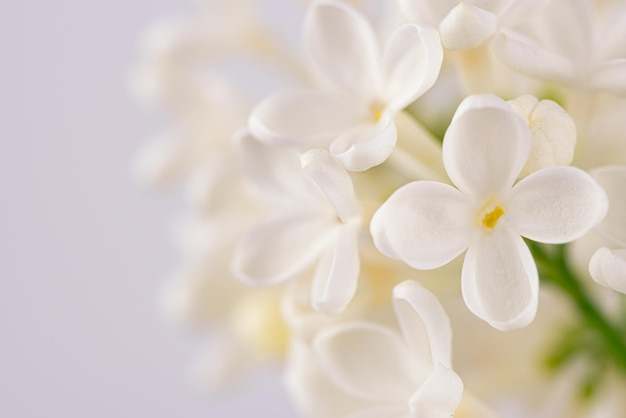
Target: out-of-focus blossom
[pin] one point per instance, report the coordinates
(608, 266)
(567, 42)
(315, 222)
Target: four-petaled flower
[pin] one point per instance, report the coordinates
(363, 87)
(428, 224)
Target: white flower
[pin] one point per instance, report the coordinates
(467, 24)
(608, 267)
(552, 133)
(566, 44)
(314, 222)
(428, 224)
(396, 376)
(364, 87)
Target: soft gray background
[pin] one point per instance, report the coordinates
(82, 248)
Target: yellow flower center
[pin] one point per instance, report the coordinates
(377, 109)
(490, 213)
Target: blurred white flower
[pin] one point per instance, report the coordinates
(314, 221)
(566, 42)
(363, 87)
(608, 266)
(428, 224)
(468, 24)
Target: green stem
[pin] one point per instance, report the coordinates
(554, 269)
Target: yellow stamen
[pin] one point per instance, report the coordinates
(489, 215)
(491, 218)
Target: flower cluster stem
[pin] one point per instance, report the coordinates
(554, 269)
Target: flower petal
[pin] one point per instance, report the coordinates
(343, 46)
(366, 146)
(282, 246)
(552, 130)
(610, 77)
(426, 11)
(425, 224)
(439, 395)
(411, 63)
(528, 58)
(608, 268)
(467, 26)
(302, 118)
(368, 361)
(308, 387)
(486, 146)
(556, 205)
(337, 272)
(334, 182)
(499, 280)
(612, 179)
(274, 171)
(424, 323)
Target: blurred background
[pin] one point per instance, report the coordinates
(83, 248)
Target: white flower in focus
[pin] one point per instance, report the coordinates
(399, 376)
(364, 87)
(314, 221)
(467, 24)
(428, 224)
(608, 266)
(552, 133)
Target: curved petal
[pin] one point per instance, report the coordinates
(274, 171)
(281, 246)
(530, 59)
(337, 272)
(334, 182)
(610, 77)
(366, 146)
(552, 130)
(309, 389)
(426, 11)
(467, 26)
(302, 118)
(367, 361)
(424, 323)
(556, 205)
(343, 46)
(613, 181)
(486, 146)
(439, 395)
(411, 63)
(425, 224)
(499, 280)
(608, 268)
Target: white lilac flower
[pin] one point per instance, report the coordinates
(396, 375)
(552, 133)
(608, 266)
(362, 87)
(314, 221)
(428, 224)
(568, 43)
(468, 24)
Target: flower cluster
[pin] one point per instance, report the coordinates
(410, 171)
